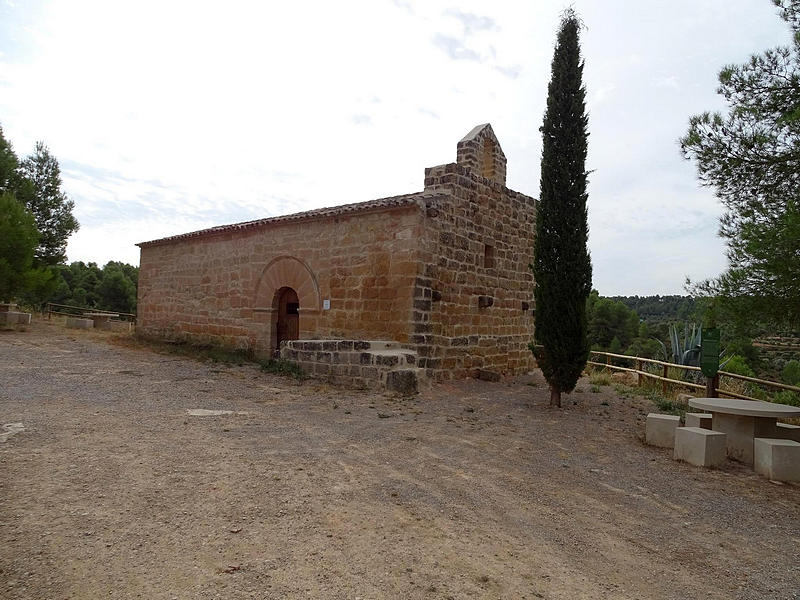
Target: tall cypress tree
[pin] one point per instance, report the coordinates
(562, 268)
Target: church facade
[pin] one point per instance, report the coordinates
(443, 272)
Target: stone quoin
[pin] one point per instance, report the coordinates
(443, 272)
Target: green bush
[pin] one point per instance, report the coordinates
(743, 347)
(755, 391)
(791, 372)
(737, 364)
(786, 397)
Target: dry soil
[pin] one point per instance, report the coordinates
(470, 490)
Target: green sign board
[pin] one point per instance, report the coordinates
(709, 352)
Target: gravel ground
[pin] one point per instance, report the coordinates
(470, 490)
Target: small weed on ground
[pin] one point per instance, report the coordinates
(670, 407)
(281, 366)
(665, 405)
(600, 378)
(624, 391)
(595, 389)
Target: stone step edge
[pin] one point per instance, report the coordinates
(337, 344)
(379, 358)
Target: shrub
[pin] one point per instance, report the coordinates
(786, 397)
(744, 347)
(791, 372)
(737, 364)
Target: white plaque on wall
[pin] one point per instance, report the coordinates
(326, 304)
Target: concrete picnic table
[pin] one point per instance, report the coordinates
(743, 421)
(100, 318)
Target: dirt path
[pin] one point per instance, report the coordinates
(474, 490)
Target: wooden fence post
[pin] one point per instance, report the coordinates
(712, 385)
(664, 383)
(639, 378)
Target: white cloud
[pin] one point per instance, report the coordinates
(670, 81)
(168, 117)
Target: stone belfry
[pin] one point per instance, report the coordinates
(480, 152)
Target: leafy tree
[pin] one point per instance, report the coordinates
(751, 157)
(18, 239)
(562, 267)
(609, 319)
(116, 291)
(8, 165)
(40, 190)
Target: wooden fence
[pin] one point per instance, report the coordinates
(661, 373)
(78, 311)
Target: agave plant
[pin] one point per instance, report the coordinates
(686, 352)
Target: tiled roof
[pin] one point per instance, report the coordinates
(319, 213)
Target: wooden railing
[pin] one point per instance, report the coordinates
(711, 387)
(76, 311)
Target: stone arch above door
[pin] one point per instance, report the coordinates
(287, 271)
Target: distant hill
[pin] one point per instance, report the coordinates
(656, 310)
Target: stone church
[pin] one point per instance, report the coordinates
(442, 274)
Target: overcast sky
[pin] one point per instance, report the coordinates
(169, 116)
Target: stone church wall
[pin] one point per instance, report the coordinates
(445, 272)
(220, 288)
(479, 243)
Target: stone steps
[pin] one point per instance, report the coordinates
(378, 364)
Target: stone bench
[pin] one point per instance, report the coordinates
(118, 326)
(13, 317)
(778, 460)
(788, 432)
(700, 447)
(701, 420)
(78, 323)
(660, 430)
(100, 319)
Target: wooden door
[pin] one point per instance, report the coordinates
(288, 327)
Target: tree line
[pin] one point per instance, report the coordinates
(36, 221)
(86, 285)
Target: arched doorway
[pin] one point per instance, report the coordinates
(287, 326)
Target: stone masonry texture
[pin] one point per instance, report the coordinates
(443, 272)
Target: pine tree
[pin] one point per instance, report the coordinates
(562, 268)
(750, 156)
(40, 191)
(18, 238)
